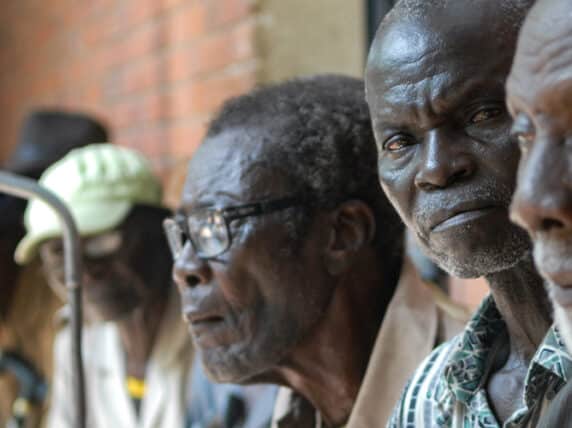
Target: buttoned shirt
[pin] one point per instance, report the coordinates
(449, 388)
(167, 377)
(412, 326)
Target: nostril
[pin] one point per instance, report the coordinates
(458, 175)
(550, 223)
(192, 280)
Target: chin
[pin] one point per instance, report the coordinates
(563, 318)
(235, 365)
(483, 257)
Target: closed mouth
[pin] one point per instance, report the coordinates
(461, 216)
(203, 318)
(211, 319)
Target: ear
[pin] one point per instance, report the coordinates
(352, 228)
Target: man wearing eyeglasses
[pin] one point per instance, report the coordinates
(288, 257)
(137, 354)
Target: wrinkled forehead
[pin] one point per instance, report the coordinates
(438, 54)
(543, 61)
(234, 166)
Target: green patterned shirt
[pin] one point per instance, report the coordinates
(448, 389)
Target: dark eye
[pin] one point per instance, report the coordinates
(523, 131)
(485, 114)
(397, 143)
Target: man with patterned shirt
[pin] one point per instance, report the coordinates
(435, 86)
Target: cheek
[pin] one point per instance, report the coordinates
(398, 184)
(502, 157)
(56, 281)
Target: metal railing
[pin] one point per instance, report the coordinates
(27, 188)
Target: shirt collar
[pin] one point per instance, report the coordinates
(467, 365)
(469, 361)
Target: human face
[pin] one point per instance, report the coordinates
(539, 94)
(115, 277)
(445, 158)
(248, 308)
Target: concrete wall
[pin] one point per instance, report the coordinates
(300, 37)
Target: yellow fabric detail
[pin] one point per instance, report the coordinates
(135, 387)
(21, 407)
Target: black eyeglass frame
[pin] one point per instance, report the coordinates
(232, 213)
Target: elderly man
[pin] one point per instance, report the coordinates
(27, 306)
(435, 87)
(288, 256)
(137, 354)
(539, 90)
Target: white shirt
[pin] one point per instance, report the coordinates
(108, 403)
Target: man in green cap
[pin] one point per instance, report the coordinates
(137, 353)
(27, 306)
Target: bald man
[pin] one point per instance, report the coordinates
(435, 86)
(539, 90)
(539, 93)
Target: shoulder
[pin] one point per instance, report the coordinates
(425, 390)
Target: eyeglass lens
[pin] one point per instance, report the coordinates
(207, 230)
(209, 233)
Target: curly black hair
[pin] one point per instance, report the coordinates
(325, 145)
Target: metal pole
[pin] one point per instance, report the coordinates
(27, 188)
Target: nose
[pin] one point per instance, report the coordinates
(444, 163)
(189, 270)
(543, 198)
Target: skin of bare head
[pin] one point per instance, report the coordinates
(539, 90)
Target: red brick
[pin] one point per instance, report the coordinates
(137, 44)
(210, 94)
(211, 54)
(143, 76)
(155, 69)
(140, 11)
(185, 138)
(186, 23)
(224, 12)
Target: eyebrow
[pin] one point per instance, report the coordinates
(431, 109)
(208, 202)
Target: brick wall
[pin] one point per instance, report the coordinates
(153, 70)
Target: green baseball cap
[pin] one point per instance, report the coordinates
(99, 183)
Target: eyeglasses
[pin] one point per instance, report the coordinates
(208, 229)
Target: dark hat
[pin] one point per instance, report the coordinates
(48, 135)
(11, 217)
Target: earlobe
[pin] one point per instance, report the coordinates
(352, 228)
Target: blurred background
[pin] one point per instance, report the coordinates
(154, 71)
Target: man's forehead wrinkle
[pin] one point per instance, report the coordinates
(551, 53)
(543, 61)
(429, 100)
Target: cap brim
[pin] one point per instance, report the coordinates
(91, 219)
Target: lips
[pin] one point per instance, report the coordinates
(460, 214)
(197, 317)
(205, 312)
(553, 257)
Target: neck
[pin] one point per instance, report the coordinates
(138, 331)
(328, 368)
(522, 301)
